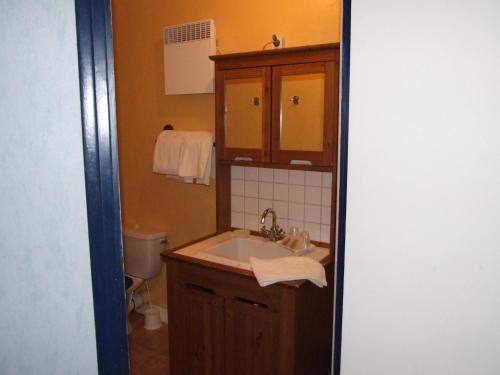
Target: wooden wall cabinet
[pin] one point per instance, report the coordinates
(279, 105)
(223, 323)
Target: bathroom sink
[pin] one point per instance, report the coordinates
(235, 250)
(238, 250)
(241, 249)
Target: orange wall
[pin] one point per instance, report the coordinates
(185, 211)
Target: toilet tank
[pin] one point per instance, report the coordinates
(142, 247)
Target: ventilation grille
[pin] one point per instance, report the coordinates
(189, 31)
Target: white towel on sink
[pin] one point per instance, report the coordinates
(270, 271)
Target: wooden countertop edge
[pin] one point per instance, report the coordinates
(170, 254)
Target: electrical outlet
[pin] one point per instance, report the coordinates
(278, 41)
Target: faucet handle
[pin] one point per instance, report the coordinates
(279, 233)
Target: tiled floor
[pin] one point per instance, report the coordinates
(148, 349)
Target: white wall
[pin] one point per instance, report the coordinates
(422, 272)
(46, 313)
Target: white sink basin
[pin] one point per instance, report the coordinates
(241, 249)
(232, 249)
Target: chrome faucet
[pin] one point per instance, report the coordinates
(275, 233)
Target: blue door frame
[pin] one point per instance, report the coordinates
(344, 136)
(97, 90)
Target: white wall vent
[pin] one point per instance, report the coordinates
(186, 48)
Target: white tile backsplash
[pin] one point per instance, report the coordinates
(327, 179)
(296, 177)
(296, 193)
(313, 178)
(251, 205)
(251, 222)
(313, 195)
(251, 174)
(266, 174)
(325, 233)
(237, 203)
(280, 192)
(296, 211)
(237, 219)
(312, 213)
(263, 204)
(326, 197)
(299, 198)
(237, 172)
(251, 189)
(238, 187)
(281, 209)
(326, 215)
(266, 190)
(281, 176)
(314, 230)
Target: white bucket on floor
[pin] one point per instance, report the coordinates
(152, 318)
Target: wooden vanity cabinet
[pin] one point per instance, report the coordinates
(251, 337)
(289, 113)
(224, 323)
(197, 318)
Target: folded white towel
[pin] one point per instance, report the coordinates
(186, 154)
(270, 271)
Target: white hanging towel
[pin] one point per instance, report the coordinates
(167, 153)
(195, 159)
(270, 271)
(186, 154)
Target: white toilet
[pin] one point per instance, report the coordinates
(142, 247)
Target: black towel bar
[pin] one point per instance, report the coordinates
(170, 127)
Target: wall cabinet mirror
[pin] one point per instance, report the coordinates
(302, 102)
(278, 106)
(303, 108)
(244, 111)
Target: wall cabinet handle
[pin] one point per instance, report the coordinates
(300, 162)
(243, 158)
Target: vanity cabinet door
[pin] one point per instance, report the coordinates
(196, 331)
(305, 102)
(251, 333)
(243, 113)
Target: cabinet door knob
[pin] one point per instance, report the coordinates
(256, 101)
(295, 99)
